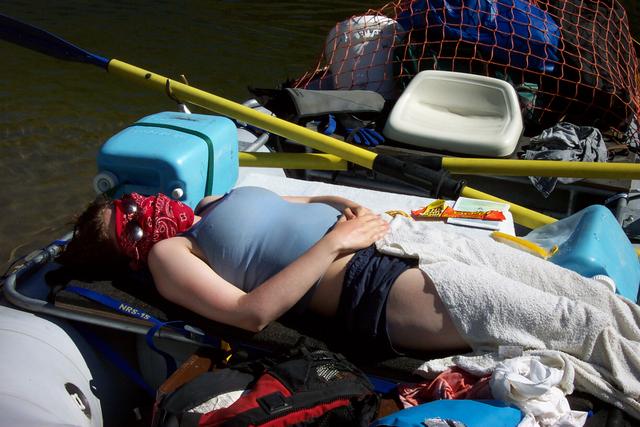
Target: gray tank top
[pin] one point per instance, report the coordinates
(252, 233)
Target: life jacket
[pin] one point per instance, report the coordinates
(303, 388)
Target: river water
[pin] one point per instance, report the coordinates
(55, 115)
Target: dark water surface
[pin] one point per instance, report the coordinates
(54, 115)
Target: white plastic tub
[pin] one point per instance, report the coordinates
(457, 112)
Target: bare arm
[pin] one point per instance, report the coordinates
(348, 207)
(185, 279)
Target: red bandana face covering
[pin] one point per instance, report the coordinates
(142, 221)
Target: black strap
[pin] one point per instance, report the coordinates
(438, 181)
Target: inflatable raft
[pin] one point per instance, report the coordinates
(199, 157)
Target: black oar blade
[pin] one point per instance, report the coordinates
(42, 41)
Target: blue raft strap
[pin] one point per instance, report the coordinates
(113, 303)
(188, 331)
(115, 358)
(169, 361)
(179, 326)
(382, 385)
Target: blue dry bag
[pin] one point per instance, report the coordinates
(470, 413)
(510, 32)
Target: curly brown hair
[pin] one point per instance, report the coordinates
(91, 249)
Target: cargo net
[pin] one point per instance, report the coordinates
(569, 60)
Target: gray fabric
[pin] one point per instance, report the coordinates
(310, 103)
(252, 233)
(566, 142)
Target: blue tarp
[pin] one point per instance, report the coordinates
(510, 32)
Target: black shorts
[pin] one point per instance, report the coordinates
(362, 307)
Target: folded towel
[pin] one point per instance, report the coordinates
(497, 295)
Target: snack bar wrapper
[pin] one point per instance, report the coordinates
(438, 209)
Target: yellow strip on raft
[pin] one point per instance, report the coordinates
(521, 215)
(510, 167)
(293, 161)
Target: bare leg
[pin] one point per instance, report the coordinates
(416, 317)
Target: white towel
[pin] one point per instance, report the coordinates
(498, 295)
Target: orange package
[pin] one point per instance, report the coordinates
(439, 210)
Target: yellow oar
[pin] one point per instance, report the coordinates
(293, 161)
(439, 181)
(470, 166)
(387, 165)
(245, 114)
(512, 167)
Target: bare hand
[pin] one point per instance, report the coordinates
(355, 212)
(358, 232)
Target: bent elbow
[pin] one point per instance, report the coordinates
(255, 326)
(261, 322)
(261, 326)
(254, 317)
(255, 323)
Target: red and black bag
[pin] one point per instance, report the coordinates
(304, 388)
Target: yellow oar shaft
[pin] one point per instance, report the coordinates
(286, 129)
(541, 168)
(521, 215)
(228, 108)
(293, 161)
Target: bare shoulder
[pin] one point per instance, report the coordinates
(167, 255)
(169, 246)
(205, 201)
(171, 263)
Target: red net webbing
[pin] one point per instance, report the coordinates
(569, 60)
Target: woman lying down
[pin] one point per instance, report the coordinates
(249, 257)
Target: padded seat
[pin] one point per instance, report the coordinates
(457, 112)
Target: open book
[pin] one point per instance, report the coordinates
(476, 205)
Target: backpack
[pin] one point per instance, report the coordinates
(301, 388)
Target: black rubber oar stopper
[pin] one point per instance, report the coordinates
(438, 181)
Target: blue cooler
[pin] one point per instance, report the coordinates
(185, 156)
(598, 245)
